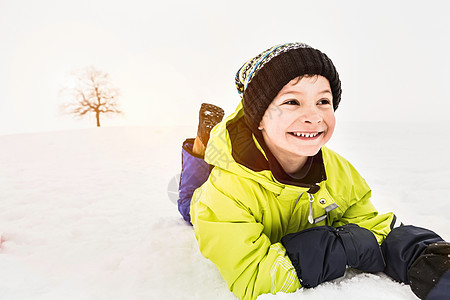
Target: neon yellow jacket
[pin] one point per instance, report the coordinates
(242, 211)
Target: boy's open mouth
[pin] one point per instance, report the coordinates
(306, 135)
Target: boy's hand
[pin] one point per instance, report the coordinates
(322, 253)
(438, 248)
(429, 275)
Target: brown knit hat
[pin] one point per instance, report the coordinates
(261, 78)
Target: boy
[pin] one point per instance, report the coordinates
(274, 209)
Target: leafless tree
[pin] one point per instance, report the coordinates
(92, 92)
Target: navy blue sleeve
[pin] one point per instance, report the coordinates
(403, 246)
(194, 173)
(442, 289)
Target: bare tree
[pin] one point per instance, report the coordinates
(93, 92)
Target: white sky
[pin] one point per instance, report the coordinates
(167, 58)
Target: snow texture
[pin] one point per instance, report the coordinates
(86, 214)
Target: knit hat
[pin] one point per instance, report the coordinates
(260, 79)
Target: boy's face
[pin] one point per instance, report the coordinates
(300, 119)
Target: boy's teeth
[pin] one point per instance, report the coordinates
(305, 134)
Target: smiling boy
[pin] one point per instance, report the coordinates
(304, 121)
(276, 210)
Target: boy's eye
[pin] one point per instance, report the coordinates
(324, 101)
(291, 102)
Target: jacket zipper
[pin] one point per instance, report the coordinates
(311, 200)
(293, 209)
(311, 216)
(298, 198)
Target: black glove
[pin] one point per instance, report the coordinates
(426, 274)
(361, 248)
(321, 253)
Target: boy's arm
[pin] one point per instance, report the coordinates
(410, 253)
(353, 197)
(363, 213)
(229, 235)
(419, 257)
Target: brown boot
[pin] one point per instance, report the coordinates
(209, 116)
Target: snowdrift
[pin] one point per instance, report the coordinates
(88, 214)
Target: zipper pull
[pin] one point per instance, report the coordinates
(310, 216)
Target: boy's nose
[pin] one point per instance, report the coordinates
(311, 116)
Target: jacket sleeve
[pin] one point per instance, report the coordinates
(231, 236)
(364, 214)
(356, 206)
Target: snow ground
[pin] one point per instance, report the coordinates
(86, 214)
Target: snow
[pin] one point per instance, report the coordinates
(86, 214)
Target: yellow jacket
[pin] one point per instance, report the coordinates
(242, 211)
